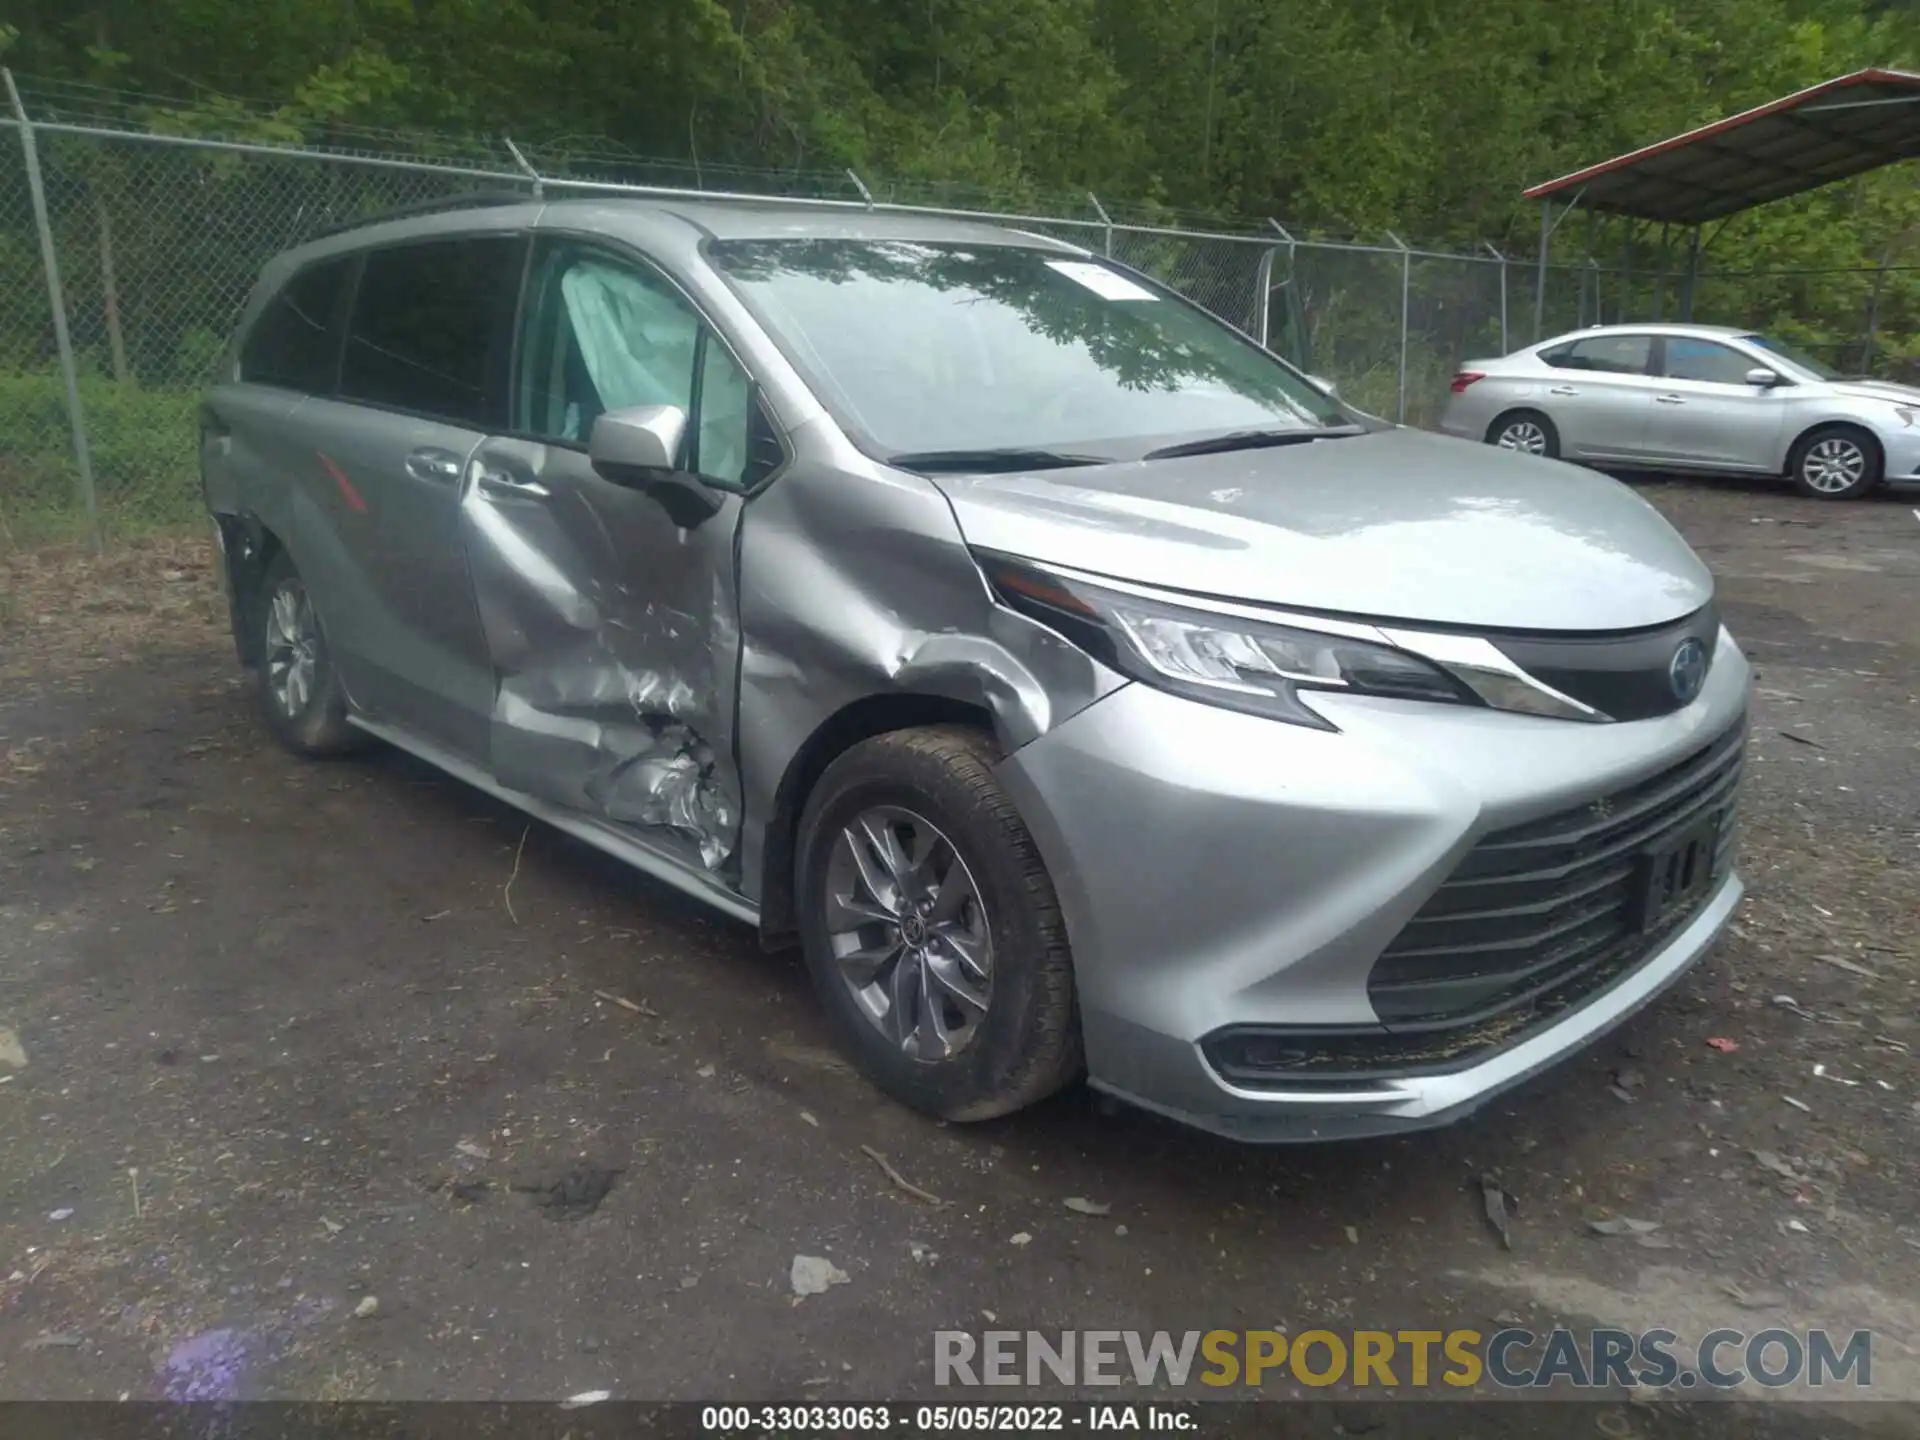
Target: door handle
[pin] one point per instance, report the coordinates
(439, 466)
(503, 485)
(1668, 400)
(1563, 390)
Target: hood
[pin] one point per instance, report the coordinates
(1395, 524)
(1877, 390)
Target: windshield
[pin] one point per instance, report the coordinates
(1795, 356)
(920, 348)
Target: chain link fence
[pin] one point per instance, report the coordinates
(158, 239)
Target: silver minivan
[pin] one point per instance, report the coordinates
(1081, 687)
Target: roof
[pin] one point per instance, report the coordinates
(1656, 327)
(711, 217)
(1840, 128)
(800, 220)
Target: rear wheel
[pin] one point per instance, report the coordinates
(932, 930)
(1527, 431)
(1836, 462)
(301, 697)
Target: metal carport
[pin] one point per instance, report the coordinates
(1831, 131)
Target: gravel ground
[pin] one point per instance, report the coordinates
(324, 1067)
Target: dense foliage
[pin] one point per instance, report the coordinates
(1341, 117)
(1427, 116)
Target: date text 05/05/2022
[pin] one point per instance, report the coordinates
(941, 1419)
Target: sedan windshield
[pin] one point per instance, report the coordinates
(1794, 356)
(923, 349)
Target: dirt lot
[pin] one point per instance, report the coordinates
(293, 1035)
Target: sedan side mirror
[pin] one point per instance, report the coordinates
(1762, 378)
(1326, 385)
(640, 448)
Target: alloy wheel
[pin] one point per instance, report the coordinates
(293, 649)
(1523, 435)
(909, 932)
(1834, 465)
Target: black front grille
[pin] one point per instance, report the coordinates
(1549, 908)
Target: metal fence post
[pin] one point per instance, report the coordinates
(76, 417)
(1264, 308)
(521, 160)
(1501, 261)
(1406, 298)
(1106, 221)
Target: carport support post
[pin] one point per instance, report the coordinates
(1660, 276)
(1693, 274)
(1593, 230)
(1540, 274)
(50, 260)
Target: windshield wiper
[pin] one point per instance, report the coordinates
(990, 462)
(1252, 440)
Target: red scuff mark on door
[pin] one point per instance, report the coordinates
(355, 501)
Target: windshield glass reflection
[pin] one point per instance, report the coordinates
(921, 347)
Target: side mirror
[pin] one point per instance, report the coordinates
(640, 448)
(1762, 378)
(1326, 385)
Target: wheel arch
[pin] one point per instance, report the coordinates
(859, 720)
(1803, 433)
(247, 547)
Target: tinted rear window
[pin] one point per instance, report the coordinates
(296, 341)
(1607, 354)
(431, 327)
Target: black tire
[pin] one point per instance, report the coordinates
(1824, 457)
(314, 724)
(1515, 420)
(1027, 1044)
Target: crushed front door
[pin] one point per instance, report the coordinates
(611, 628)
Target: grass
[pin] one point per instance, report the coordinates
(142, 443)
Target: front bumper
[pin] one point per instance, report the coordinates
(1223, 872)
(1901, 446)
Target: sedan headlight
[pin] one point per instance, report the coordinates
(1219, 659)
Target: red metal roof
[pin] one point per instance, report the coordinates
(1827, 132)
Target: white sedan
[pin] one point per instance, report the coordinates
(1691, 397)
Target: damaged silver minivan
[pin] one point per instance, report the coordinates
(1081, 687)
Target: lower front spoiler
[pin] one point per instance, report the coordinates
(1398, 1104)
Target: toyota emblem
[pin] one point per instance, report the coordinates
(1687, 671)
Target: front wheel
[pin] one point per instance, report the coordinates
(1836, 462)
(931, 929)
(1527, 431)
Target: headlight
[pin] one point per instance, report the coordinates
(1240, 663)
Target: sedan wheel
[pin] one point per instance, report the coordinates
(1834, 466)
(1527, 432)
(1837, 463)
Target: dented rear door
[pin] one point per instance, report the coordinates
(611, 628)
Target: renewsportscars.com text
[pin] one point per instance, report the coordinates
(1513, 1358)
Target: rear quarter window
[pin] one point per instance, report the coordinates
(1603, 354)
(295, 344)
